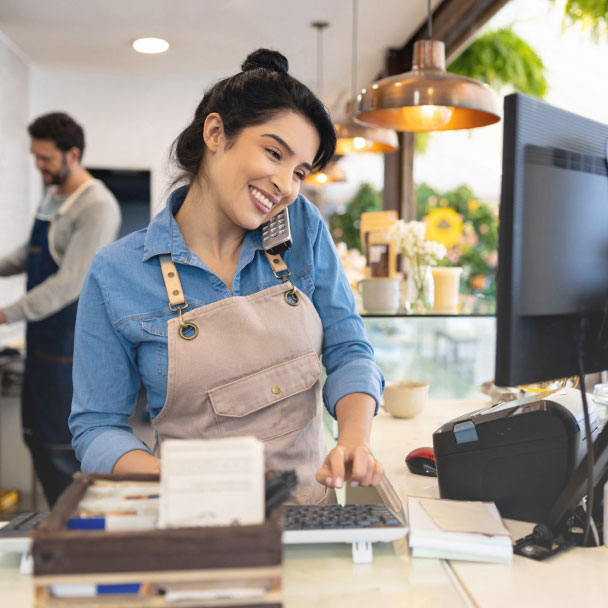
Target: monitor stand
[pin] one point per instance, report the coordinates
(557, 533)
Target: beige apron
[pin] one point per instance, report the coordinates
(248, 365)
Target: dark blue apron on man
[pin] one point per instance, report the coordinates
(47, 388)
(47, 391)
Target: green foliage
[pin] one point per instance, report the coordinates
(345, 226)
(477, 247)
(501, 57)
(421, 141)
(591, 14)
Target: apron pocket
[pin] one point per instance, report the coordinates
(269, 403)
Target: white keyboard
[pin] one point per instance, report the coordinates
(360, 525)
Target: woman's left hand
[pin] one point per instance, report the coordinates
(353, 463)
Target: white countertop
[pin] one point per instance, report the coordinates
(578, 577)
(325, 575)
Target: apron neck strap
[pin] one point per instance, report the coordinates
(175, 292)
(172, 283)
(277, 265)
(72, 198)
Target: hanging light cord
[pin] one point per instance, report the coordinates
(354, 70)
(319, 26)
(429, 25)
(320, 62)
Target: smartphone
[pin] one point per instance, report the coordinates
(276, 233)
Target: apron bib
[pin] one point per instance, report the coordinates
(249, 365)
(47, 389)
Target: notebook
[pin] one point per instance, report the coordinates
(457, 529)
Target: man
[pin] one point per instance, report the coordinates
(77, 216)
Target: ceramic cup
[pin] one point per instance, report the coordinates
(447, 288)
(405, 398)
(380, 295)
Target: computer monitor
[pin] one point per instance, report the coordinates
(552, 287)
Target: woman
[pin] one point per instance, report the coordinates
(226, 339)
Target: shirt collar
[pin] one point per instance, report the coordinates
(164, 236)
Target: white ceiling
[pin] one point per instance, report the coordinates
(210, 38)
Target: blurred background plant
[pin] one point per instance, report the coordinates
(468, 228)
(592, 14)
(344, 227)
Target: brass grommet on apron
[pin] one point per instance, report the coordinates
(291, 296)
(185, 326)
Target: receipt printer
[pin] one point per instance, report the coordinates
(519, 454)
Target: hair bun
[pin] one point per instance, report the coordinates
(267, 60)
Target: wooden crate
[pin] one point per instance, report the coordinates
(199, 558)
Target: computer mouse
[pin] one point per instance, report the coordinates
(421, 461)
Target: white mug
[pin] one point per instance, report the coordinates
(380, 295)
(405, 398)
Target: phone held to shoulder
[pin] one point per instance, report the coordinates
(276, 233)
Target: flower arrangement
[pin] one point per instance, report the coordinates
(476, 249)
(410, 240)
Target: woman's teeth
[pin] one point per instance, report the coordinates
(261, 198)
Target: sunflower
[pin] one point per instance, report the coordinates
(444, 225)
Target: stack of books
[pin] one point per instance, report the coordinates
(458, 529)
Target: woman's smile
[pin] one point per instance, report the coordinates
(261, 199)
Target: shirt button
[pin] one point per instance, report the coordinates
(276, 390)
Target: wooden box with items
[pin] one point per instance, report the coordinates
(101, 545)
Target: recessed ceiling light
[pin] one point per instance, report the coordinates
(150, 45)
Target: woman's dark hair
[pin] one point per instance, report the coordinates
(255, 95)
(61, 129)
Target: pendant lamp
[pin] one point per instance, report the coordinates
(354, 137)
(428, 98)
(332, 172)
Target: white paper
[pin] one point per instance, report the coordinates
(465, 516)
(217, 482)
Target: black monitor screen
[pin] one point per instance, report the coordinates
(552, 288)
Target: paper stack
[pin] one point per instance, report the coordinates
(457, 529)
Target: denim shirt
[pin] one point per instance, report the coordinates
(121, 326)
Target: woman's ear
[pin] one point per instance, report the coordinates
(213, 131)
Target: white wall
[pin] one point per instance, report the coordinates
(15, 208)
(129, 121)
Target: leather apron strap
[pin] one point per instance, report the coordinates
(178, 302)
(177, 299)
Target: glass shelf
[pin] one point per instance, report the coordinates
(455, 354)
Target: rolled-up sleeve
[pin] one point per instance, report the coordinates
(15, 262)
(348, 357)
(106, 382)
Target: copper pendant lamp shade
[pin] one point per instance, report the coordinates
(354, 137)
(428, 98)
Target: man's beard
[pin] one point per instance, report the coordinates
(59, 177)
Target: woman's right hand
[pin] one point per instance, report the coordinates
(137, 461)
